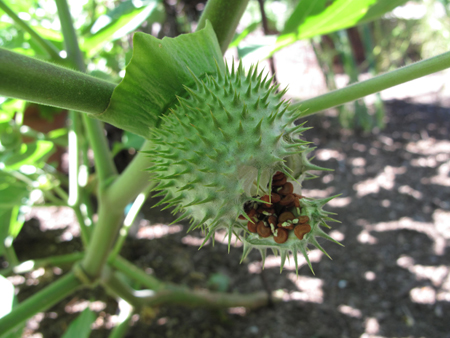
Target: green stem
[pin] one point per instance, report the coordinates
(70, 36)
(119, 288)
(193, 298)
(104, 164)
(30, 265)
(121, 329)
(40, 302)
(129, 220)
(37, 81)
(137, 274)
(103, 237)
(94, 128)
(373, 85)
(132, 181)
(224, 17)
(168, 293)
(52, 51)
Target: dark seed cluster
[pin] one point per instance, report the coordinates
(275, 217)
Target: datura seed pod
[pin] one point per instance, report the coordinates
(229, 156)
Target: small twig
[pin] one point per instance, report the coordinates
(266, 32)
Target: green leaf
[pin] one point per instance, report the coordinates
(34, 153)
(81, 327)
(12, 191)
(114, 25)
(318, 17)
(7, 303)
(156, 74)
(238, 38)
(9, 108)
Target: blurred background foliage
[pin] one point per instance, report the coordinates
(389, 35)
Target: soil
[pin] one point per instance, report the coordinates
(392, 278)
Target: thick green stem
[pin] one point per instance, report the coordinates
(132, 181)
(40, 302)
(103, 237)
(37, 81)
(52, 51)
(109, 221)
(374, 85)
(224, 17)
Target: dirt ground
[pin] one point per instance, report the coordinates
(392, 278)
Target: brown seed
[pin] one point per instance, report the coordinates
(277, 183)
(251, 226)
(287, 189)
(278, 176)
(266, 198)
(272, 220)
(287, 200)
(241, 217)
(275, 198)
(282, 236)
(260, 210)
(296, 202)
(262, 230)
(301, 230)
(303, 219)
(285, 216)
(289, 227)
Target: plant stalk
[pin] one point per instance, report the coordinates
(29, 79)
(373, 85)
(224, 17)
(40, 302)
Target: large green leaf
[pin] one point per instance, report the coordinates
(13, 194)
(114, 25)
(156, 74)
(81, 327)
(318, 17)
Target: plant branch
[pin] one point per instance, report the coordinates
(51, 50)
(70, 36)
(30, 265)
(29, 79)
(94, 128)
(224, 17)
(132, 181)
(373, 85)
(168, 293)
(40, 302)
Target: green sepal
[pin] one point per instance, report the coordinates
(156, 75)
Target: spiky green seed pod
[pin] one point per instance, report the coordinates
(216, 152)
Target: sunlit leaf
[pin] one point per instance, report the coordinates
(318, 17)
(247, 30)
(116, 24)
(33, 153)
(81, 326)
